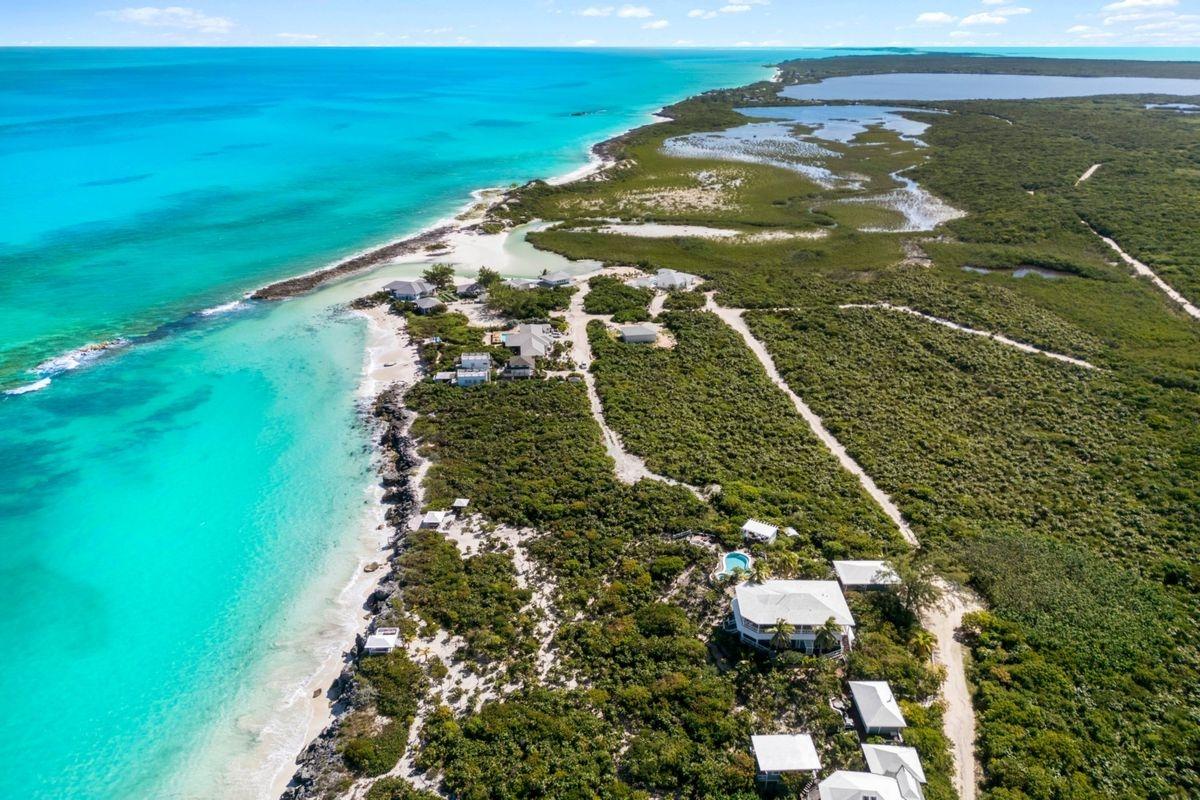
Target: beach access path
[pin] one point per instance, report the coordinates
(942, 620)
(1144, 271)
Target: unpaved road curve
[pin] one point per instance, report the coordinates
(1090, 172)
(959, 721)
(996, 337)
(733, 318)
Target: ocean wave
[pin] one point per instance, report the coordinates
(225, 308)
(74, 359)
(36, 386)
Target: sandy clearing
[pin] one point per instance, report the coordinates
(1088, 174)
(996, 337)
(1145, 271)
(733, 318)
(629, 468)
(656, 230)
(959, 721)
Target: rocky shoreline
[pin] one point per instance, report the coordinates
(320, 769)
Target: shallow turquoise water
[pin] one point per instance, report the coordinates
(162, 509)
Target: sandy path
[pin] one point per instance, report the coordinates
(959, 721)
(629, 468)
(1090, 172)
(1144, 271)
(656, 303)
(733, 318)
(996, 337)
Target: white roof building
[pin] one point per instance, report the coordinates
(382, 641)
(892, 760)
(877, 707)
(805, 605)
(433, 519)
(759, 531)
(788, 752)
(558, 278)
(476, 361)
(472, 377)
(865, 574)
(529, 340)
(844, 785)
(669, 280)
(461, 503)
(410, 290)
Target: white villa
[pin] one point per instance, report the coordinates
(844, 785)
(784, 753)
(553, 279)
(475, 361)
(901, 763)
(865, 575)
(381, 642)
(877, 709)
(472, 377)
(805, 605)
(668, 280)
(532, 341)
(758, 531)
(433, 520)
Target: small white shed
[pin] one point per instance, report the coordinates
(382, 641)
(783, 753)
(756, 530)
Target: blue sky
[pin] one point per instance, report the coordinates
(711, 23)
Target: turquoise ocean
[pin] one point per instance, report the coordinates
(175, 514)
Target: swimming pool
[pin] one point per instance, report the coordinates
(731, 563)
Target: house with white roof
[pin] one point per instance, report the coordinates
(552, 279)
(758, 531)
(901, 763)
(865, 575)
(845, 785)
(475, 361)
(804, 605)
(472, 377)
(410, 291)
(381, 642)
(521, 283)
(433, 519)
(671, 281)
(531, 341)
(785, 753)
(877, 709)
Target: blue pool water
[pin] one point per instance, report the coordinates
(736, 561)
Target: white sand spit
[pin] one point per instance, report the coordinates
(996, 337)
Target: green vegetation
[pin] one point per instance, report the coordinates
(396, 789)
(443, 338)
(440, 275)
(608, 295)
(476, 598)
(388, 686)
(528, 304)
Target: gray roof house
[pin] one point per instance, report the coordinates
(410, 291)
(876, 707)
(425, 305)
(805, 605)
(671, 281)
(845, 785)
(638, 334)
(901, 763)
(520, 367)
(473, 289)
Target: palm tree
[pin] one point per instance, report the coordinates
(782, 640)
(789, 563)
(760, 571)
(829, 636)
(923, 643)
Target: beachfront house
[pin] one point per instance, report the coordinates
(471, 377)
(758, 531)
(427, 305)
(522, 283)
(806, 607)
(470, 291)
(638, 334)
(865, 575)
(531, 341)
(520, 367)
(845, 785)
(553, 280)
(901, 763)
(876, 708)
(784, 754)
(433, 520)
(381, 642)
(410, 291)
(476, 361)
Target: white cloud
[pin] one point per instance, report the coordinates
(585, 42)
(735, 8)
(1123, 4)
(1012, 11)
(984, 18)
(1080, 29)
(597, 11)
(297, 37)
(994, 2)
(935, 18)
(656, 25)
(171, 17)
(700, 13)
(634, 12)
